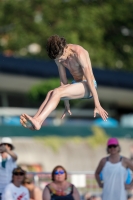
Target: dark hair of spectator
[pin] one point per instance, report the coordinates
(27, 180)
(11, 147)
(18, 169)
(55, 46)
(55, 169)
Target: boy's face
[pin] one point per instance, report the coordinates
(62, 56)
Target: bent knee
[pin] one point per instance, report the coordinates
(50, 92)
(56, 92)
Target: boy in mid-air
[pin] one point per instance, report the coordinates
(76, 59)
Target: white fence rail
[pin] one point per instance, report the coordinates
(84, 181)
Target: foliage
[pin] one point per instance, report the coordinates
(54, 142)
(38, 92)
(98, 138)
(104, 28)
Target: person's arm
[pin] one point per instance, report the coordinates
(85, 63)
(128, 163)
(63, 81)
(98, 170)
(10, 152)
(76, 195)
(46, 194)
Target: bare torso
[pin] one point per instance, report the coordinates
(72, 62)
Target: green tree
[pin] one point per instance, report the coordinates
(104, 28)
(39, 92)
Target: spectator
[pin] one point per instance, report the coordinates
(7, 162)
(15, 190)
(35, 192)
(114, 173)
(60, 188)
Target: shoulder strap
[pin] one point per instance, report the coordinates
(121, 158)
(103, 164)
(72, 187)
(107, 158)
(47, 186)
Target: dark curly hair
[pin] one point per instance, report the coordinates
(55, 45)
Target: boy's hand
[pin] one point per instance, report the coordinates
(101, 112)
(65, 112)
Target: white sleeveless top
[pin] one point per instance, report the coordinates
(114, 177)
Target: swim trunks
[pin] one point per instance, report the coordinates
(95, 84)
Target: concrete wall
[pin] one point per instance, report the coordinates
(73, 156)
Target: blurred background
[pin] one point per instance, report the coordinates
(105, 30)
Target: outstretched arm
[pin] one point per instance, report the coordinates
(63, 82)
(88, 73)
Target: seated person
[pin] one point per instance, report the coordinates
(15, 190)
(35, 192)
(60, 188)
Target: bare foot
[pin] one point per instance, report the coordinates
(31, 122)
(24, 122)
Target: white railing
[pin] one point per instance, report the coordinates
(84, 181)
